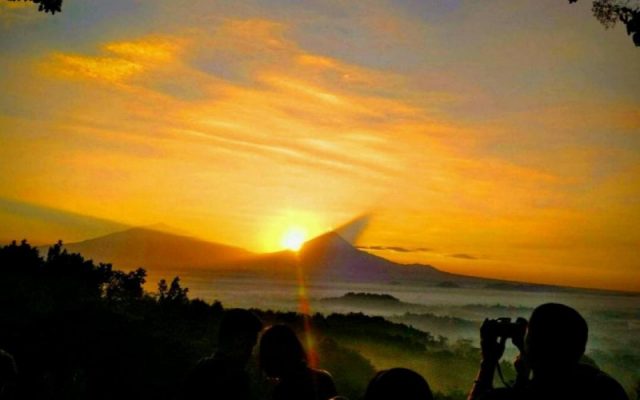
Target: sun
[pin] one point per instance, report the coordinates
(294, 238)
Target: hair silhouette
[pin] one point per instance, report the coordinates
(281, 352)
(283, 357)
(398, 384)
(239, 328)
(556, 337)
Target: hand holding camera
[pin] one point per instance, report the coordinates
(494, 334)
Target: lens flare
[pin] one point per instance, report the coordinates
(304, 308)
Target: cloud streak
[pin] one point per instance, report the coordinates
(397, 249)
(464, 256)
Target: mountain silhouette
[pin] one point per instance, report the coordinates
(157, 249)
(330, 257)
(326, 258)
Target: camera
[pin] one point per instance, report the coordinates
(504, 328)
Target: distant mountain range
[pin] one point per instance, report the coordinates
(156, 249)
(326, 258)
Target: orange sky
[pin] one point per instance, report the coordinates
(498, 140)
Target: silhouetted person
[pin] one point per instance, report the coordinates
(223, 375)
(282, 357)
(554, 343)
(398, 384)
(8, 375)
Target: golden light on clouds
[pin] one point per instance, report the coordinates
(102, 68)
(123, 60)
(153, 49)
(239, 128)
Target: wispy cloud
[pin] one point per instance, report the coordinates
(121, 60)
(288, 113)
(464, 256)
(398, 249)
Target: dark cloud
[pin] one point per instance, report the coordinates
(464, 256)
(397, 249)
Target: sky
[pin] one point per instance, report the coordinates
(499, 139)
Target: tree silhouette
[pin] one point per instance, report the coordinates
(124, 286)
(609, 12)
(72, 273)
(86, 329)
(173, 294)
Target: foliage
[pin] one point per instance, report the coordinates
(358, 324)
(371, 297)
(123, 286)
(609, 12)
(453, 395)
(173, 294)
(81, 330)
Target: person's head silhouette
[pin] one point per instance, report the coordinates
(556, 338)
(400, 384)
(238, 334)
(281, 353)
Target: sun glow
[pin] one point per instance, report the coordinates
(294, 238)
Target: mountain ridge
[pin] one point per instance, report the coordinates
(156, 249)
(325, 258)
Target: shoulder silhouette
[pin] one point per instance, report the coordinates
(555, 342)
(283, 358)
